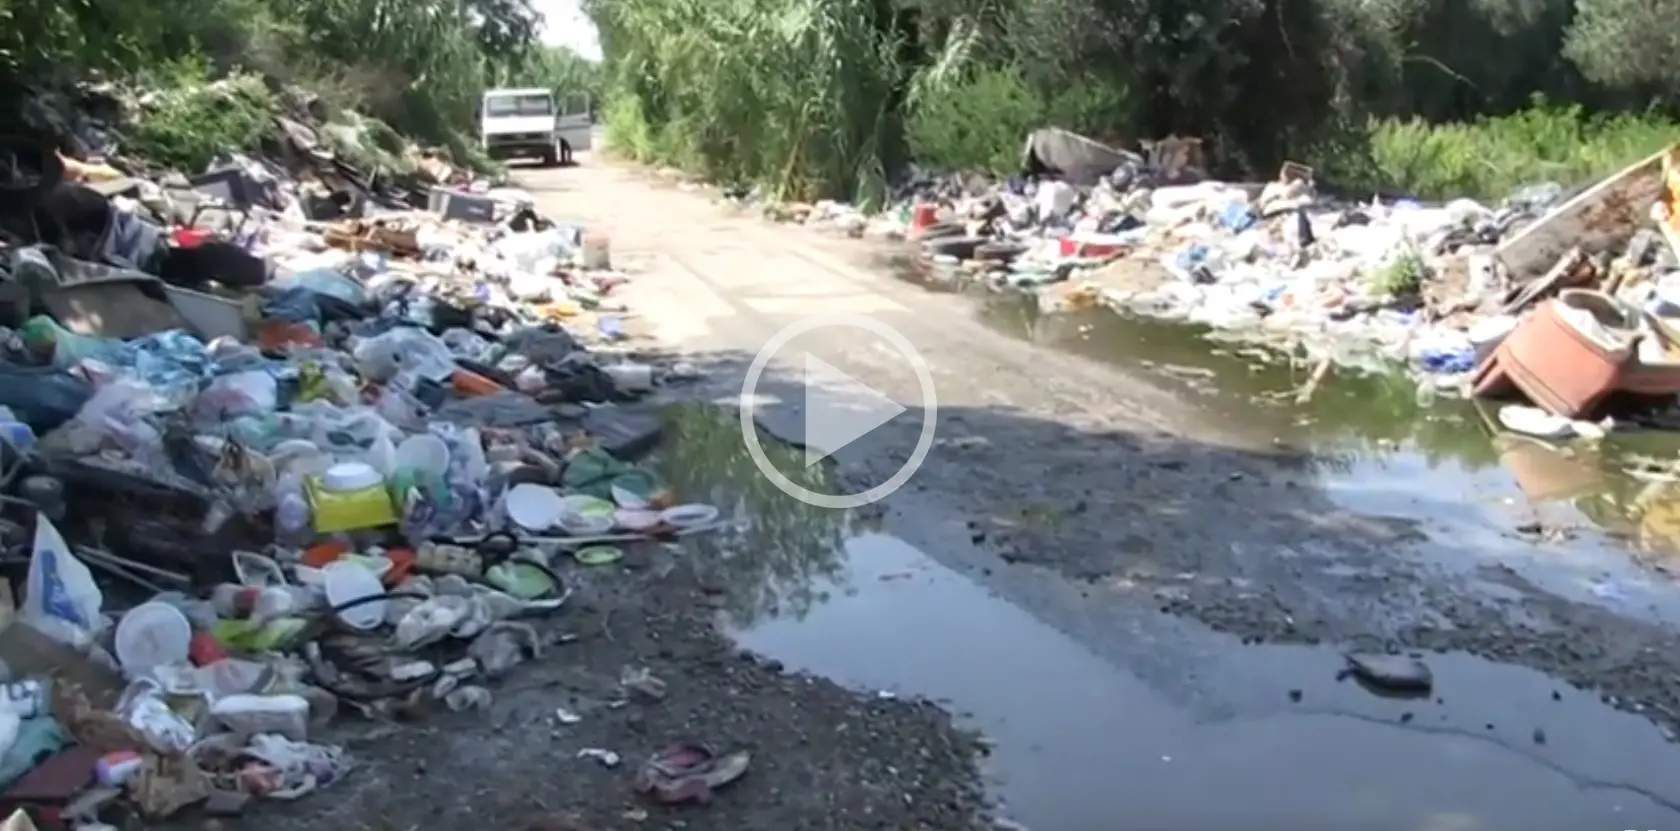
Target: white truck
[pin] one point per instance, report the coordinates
(534, 123)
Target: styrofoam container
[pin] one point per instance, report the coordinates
(346, 581)
(152, 635)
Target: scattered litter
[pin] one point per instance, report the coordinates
(689, 773)
(353, 477)
(607, 758)
(1390, 675)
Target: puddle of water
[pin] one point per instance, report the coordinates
(1380, 449)
(1080, 744)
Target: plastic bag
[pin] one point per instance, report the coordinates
(325, 281)
(143, 708)
(342, 431)
(116, 417)
(42, 398)
(302, 767)
(61, 601)
(293, 305)
(382, 356)
(252, 392)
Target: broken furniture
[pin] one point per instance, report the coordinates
(1566, 356)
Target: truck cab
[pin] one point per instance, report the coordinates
(534, 123)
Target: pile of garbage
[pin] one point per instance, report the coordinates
(281, 440)
(1352, 282)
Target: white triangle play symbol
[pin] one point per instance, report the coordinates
(839, 409)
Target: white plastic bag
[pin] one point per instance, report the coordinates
(61, 600)
(404, 348)
(143, 707)
(252, 392)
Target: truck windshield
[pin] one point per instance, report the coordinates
(505, 105)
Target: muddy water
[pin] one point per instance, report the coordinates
(1194, 728)
(1081, 743)
(1569, 515)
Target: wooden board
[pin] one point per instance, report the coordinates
(1601, 218)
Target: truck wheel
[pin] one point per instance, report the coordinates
(551, 156)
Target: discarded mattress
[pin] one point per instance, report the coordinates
(1079, 160)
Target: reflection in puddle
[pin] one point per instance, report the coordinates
(1364, 429)
(1081, 744)
(780, 547)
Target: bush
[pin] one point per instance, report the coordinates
(627, 130)
(799, 100)
(418, 66)
(190, 119)
(1489, 158)
(979, 121)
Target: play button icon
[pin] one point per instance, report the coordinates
(839, 409)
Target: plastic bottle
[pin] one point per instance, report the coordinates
(68, 348)
(293, 519)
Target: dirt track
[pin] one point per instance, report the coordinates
(1095, 500)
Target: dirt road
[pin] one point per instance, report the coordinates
(1120, 552)
(1094, 499)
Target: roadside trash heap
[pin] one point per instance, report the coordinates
(1353, 282)
(285, 440)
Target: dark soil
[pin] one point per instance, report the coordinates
(822, 756)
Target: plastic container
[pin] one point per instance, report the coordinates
(923, 216)
(345, 582)
(630, 378)
(248, 715)
(636, 519)
(348, 477)
(596, 251)
(425, 454)
(689, 516)
(152, 635)
(587, 525)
